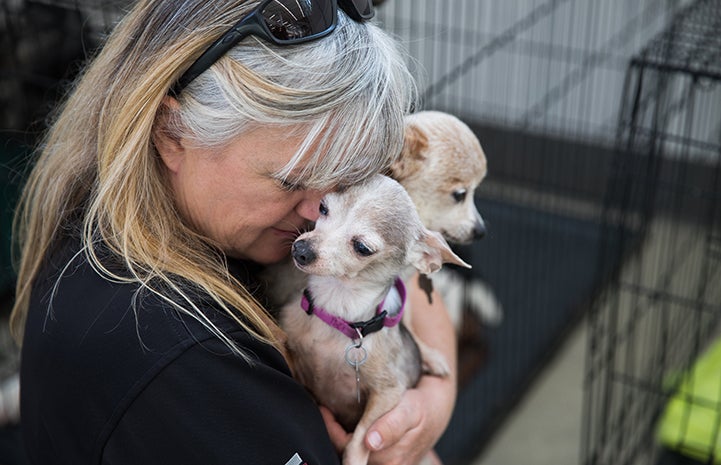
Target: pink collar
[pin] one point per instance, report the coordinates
(351, 330)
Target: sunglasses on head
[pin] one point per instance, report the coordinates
(281, 22)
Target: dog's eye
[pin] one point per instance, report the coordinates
(459, 195)
(361, 248)
(323, 209)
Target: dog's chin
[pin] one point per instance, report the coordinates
(459, 239)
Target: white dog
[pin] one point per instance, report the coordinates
(344, 336)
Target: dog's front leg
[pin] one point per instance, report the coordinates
(356, 452)
(433, 361)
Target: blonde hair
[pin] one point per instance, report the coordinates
(347, 92)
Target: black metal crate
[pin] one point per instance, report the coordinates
(661, 311)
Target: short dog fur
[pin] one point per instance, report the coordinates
(441, 165)
(365, 237)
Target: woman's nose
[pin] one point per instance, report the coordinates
(309, 206)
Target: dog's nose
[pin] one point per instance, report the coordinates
(302, 252)
(479, 230)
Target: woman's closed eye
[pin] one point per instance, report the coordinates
(289, 185)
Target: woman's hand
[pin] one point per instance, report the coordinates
(408, 432)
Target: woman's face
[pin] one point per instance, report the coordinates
(230, 195)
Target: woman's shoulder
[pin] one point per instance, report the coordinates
(76, 300)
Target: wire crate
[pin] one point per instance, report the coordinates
(541, 84)
(42, 42)
(42, 46)
(661, 310)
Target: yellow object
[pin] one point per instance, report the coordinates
(691, 423)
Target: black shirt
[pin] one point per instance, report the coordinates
(111, 374)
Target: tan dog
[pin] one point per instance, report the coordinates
(441, 165)
(344, 335)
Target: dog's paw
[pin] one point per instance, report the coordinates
(482, 301)
(434, 362)
(10, 400)
(355, 454)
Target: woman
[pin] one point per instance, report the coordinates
(190, 153)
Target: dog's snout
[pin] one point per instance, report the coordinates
(302, 252)
(479, 230)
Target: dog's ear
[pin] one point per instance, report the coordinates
(431, 251)
(411, 158)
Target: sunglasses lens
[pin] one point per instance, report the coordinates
(364, 8)
(290, 20)
(359, 10)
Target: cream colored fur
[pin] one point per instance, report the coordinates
(441, 166)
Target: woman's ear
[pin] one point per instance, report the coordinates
(169, 146)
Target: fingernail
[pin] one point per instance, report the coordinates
(375, 440)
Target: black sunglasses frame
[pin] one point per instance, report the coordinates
(254, 24)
